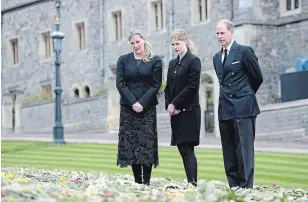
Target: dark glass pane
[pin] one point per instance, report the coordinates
(206, 14)
(296, 2)
(288, 5)
(200, 10)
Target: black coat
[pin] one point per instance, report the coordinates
(239, 80)
(182, 90)
(138, 84)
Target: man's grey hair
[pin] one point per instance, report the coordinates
(228, 23)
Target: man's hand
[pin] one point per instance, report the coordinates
(137, 107)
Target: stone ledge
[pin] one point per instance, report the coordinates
(294, 134)
(279, 22)
(37, 103)
(70, 101)
(21, 6)
(284, 105)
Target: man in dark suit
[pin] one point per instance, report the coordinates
(240, 77)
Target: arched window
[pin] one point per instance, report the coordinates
(76, 92)
(87, 92)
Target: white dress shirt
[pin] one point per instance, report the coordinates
(228, 51)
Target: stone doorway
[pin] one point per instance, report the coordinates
(113, 118)
(209, 103)
(11, 113)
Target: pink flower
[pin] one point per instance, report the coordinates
(134, 197)
(108, 194)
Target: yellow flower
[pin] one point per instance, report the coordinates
(11, 176)
(27, 188)
(62, 180)
(3, 174)
(19, 180)
(167, 193)
(191, 187)
(87, 193)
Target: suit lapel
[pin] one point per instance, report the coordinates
(233, 51)
(218, 64)
(219, 56)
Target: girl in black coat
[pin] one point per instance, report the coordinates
(182, 101)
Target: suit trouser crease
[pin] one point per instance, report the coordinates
(237, 137)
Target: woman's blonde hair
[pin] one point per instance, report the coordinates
(148, 53)
(181, 35)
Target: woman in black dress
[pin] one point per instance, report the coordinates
(182, 101)
(139, 77)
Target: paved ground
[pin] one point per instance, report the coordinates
(206, 142)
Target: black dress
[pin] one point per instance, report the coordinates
(138, 142)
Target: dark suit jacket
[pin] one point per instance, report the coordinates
(182, 89)
(239, 80)
(138, 84)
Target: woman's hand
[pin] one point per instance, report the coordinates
(176, 112)
(137, 107)
(171, 109)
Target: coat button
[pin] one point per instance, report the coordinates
(179, 63)
(221, 86)
(230, 95)
(232, 73)
(229, 84)
(183, 110)
(175, 72)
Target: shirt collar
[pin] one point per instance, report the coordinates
(229, 47)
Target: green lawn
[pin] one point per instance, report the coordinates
(287, 170)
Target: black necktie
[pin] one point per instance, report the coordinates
(225, 57)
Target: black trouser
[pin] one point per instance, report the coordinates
(190, 161)
(142, 173)
(237, 139)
